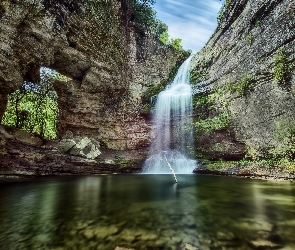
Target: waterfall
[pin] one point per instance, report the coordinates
(173, 127)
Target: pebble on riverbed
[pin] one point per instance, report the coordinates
(264, 244)
(124, 248)
(188, 246)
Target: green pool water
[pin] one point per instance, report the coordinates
(144, 212)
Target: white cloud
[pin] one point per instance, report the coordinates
(193, 21)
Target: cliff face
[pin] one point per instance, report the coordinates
(110, 62)
(248, 67)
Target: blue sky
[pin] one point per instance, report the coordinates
(194, 21)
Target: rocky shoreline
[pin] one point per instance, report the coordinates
(252, 171)
(22, 155)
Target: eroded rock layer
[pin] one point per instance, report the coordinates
(249, 66)
(110, 62)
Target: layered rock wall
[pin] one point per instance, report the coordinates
(241, 60)
(110, 63)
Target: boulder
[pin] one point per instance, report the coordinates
(80, 146)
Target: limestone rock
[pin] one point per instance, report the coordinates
(246, 43)
(65, 145)
(19, 135)
(80, 146)
(102, 98)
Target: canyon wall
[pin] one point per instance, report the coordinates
(248, 68)
(110, 61)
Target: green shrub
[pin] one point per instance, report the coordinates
(282, 67)
(34, 107)
(216, 123)
(244, 86)
(146, 108)
(284, 138)
(202, 100)
(222, 10)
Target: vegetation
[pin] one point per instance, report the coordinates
(244, 86)
(222, 10)
(160, 30)
(153, 91)
(221, 121)
(223, 164)
(284, 138)
(143, 13)
(204, 100)
(34, 107)
(200, 72)
(174, 44)
(257, 23)
(282, 67)
(211, 111)
(249, 38)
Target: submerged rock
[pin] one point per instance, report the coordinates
(226, 236)
(188, 246)
(124, 248)
(266, 240)
(264, 244)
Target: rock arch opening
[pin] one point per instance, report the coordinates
(33, 107)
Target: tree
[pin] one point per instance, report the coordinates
(164, 37)
(176, 44)
(34, 107)
(140, 12)
(159, 28)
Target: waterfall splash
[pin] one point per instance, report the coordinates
(173, 143)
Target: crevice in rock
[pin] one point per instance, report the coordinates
(264, 11)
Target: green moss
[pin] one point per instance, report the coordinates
(249, 38)
(203, 100)
(230, 47)
(146, 109)
(201, 71)
(210, 110)
(257, 23)
(218, 165)
(153, 91)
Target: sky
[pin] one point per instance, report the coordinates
(194, 21)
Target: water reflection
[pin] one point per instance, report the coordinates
(144, 212)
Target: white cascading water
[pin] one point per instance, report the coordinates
(174, 139)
